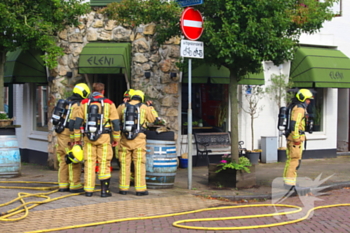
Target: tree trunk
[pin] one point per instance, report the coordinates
(234, 116)
(252, 129)
(2, 68)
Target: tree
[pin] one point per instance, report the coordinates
(253, 109)
(238, 34)
(278, 91)
(34, 24)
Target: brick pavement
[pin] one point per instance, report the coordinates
(79, 209)
(324, 220)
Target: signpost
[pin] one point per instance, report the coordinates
(191, 23)
(192, 27)
(192, 49)
(184, 3)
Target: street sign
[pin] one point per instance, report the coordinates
(191, 23)
(192, 49)
(184, 3)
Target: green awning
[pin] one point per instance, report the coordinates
(24, 67)
(320, 67)
(105, 58)
(102, 2)
(204, 73)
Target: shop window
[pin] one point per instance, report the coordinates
(209, 107)
(40, 108)
(6, 100)
(316, 109)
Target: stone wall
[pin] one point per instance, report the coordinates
(162, 87)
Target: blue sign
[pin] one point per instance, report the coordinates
(185, 3)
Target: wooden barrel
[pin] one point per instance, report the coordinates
(10, 159)
(161, 164)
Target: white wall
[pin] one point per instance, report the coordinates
(336, 33)
(24, 112)
(266, 123)
(327, 139)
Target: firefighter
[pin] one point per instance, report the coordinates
(127, 95)
(133, 116)
(68, 174)
(296, 137)
(126, 98)
(99, 117)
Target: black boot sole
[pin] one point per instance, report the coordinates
(76, 190)
(123, 192)
(63, 190)
(145, 193)
(106, 194)
(88, 194)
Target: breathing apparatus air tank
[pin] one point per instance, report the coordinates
(57, 116)
(282, 119)
(131, 126)
(129, 118)
(92, 121)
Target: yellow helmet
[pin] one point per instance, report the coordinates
(128, 93)
(304, 94)
(82, 89)
(75, 155)
(138, 95)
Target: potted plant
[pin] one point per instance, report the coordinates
(253, 155)
(278, 92)
(228, 173)
(317, 119)
(253, 97)
(5, 120)
(200, 123)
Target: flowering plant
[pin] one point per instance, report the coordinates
(3, 116)
(227, 163)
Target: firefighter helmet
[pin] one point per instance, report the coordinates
(75, 155)
(304, 94)
(128, 93)
(81, 89)
(138, 95)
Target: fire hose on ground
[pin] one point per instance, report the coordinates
(29, 205)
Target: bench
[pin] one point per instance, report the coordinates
(215, 143)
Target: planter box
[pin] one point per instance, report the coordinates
(231, 178)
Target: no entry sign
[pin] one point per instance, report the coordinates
(191, 23)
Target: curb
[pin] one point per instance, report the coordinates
(324, 188)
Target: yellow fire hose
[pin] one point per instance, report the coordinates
(5, 216)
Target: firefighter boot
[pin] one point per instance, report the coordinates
(105, 192)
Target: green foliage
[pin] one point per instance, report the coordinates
(34, 24)
(238, 35)
(3, 116)
(228, 163)
(164, 14)
(278, 89)
(318, 115)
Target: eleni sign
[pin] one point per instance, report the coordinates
(191, 23)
